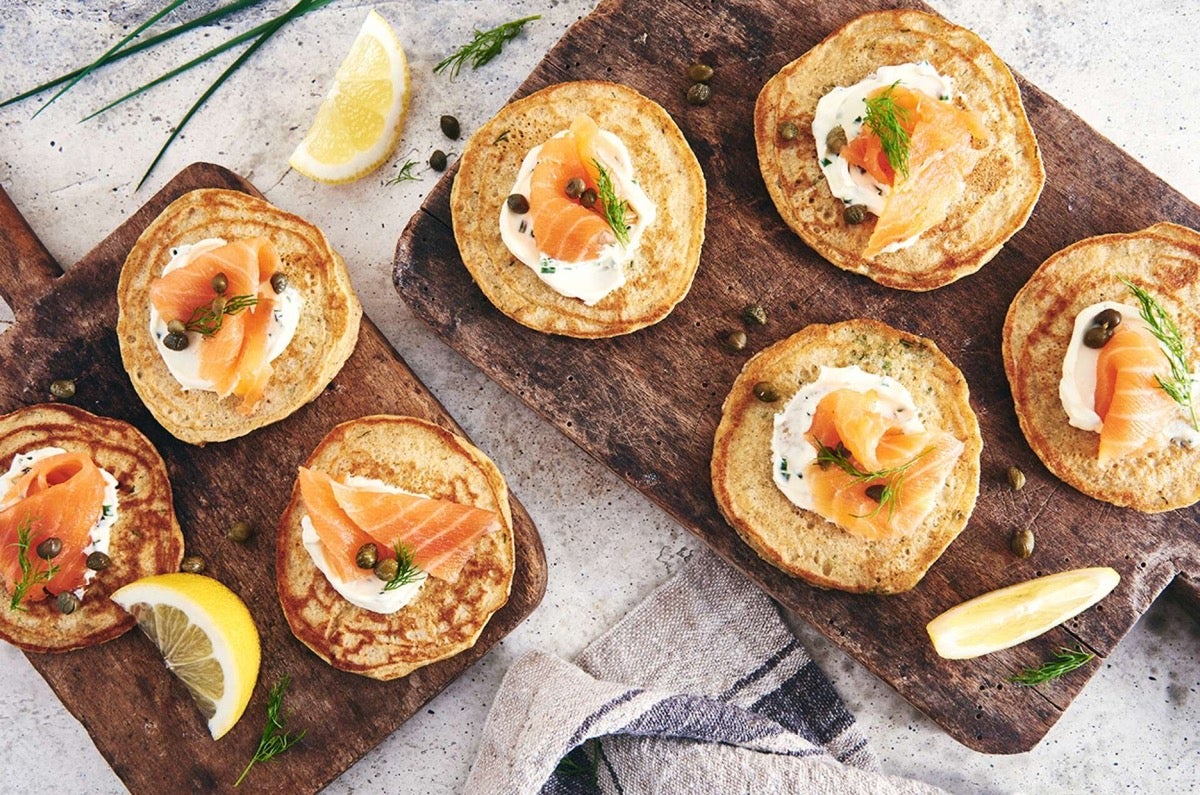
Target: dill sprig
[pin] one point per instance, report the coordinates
(614, 208)
(1065, 661)
(30, 576)
(274, 739)
(407, 571)
(405, 174)
(885, 119)
(208, 318)
(1162, 326)
(484, 46)
(892, 477)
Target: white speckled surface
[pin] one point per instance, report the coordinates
(1129, 74)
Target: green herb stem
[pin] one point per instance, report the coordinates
(1065, 661)
(1164, 329)
(274, 740)
(886, 118)
(892, 477)
(614, 208)
(405, 174)
(407, 571)
(484, 46)
(30, 575)
(207, 320)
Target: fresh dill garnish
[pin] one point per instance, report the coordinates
(484, 46)
(1179, 385)
(885, 118)
(893, 477)
(208, 318)
(274, 739)
(405, 174)
(30, 576)
(1065, 661)
(407, 571)
(614, 208)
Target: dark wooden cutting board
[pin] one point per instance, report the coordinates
(139, 716)
(647, 404)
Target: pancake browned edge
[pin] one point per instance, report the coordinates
(1000, 191)
(801, 542)
(446, 618)
(1165, 261)
(324, 339)
(665, 167)
(145, 539)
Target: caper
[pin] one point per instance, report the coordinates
(450, 127)
(854, 214)
(698, 94)
(754, 315)
(63, 388)
(220, 283)
(1109, 318)
(98, 561)
(517, 203)
(176, 327)
(766, 392)
(735, 340)
(218, 305)
(193, 564)
(588, 198)
(1022, 543)
(279, 282)
(1016, 478)
(240, 532)
(49, 548)
(835, 140)
(875, 492)
(700, 73)
(367, 557)
(789, 130)
(175, 342)
(575, 187)
(386, 569)
(66, 602)
(1097, 336)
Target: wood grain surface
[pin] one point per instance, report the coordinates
(140, 717)
(647, 404)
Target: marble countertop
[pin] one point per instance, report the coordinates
(1130, 75)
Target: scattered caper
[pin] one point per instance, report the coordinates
(700, 73)
(766, 392)
(437, 160)
(450, 127)
(698, 94)
(279, 282)
(1022, 543)
(220, 283)
(517, 203)
(588, 198)
(754, 315)
(575, 187)
(854, 214)
(49, 548)
(735, 340)
(386, 569)
(1097, 336)
(193, 564)
(789, 130)
(63, 388)
(175, 342)
(98, 561)
(835, 140)
(1110, 318)
(1016, 478)
(66, 602)
(875, 492)
(367, 557)
(240, 532)
(176, 327)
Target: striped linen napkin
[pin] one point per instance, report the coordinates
(700, 689)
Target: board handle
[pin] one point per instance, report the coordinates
(26, 268)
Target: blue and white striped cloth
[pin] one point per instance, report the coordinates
(700, 689)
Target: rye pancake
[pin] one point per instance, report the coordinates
(665, 167)
(1000, 191)
(801, 542)
(325, 338)
(1165, 260)
(145, 540)
(445, 618)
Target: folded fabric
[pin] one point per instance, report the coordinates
(699, 689)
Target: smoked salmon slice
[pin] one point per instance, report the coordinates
(565, 229)
(61, 496)
(940, 156)
(1133, 407)
(233, 358)
(440, 534)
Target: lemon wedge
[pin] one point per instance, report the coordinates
(1008, 616)
(358, 124)
(206, 636)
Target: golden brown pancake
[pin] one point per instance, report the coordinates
(1163, 259)
(1000, 191)
(800, 542)
(145, 540)
(661, 273)
(445, 618)
(325, 338)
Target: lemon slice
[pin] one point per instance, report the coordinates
(206, 636)
(359, 121)
(1008, 616)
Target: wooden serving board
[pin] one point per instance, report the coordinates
(140, 717)
(647, 404)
